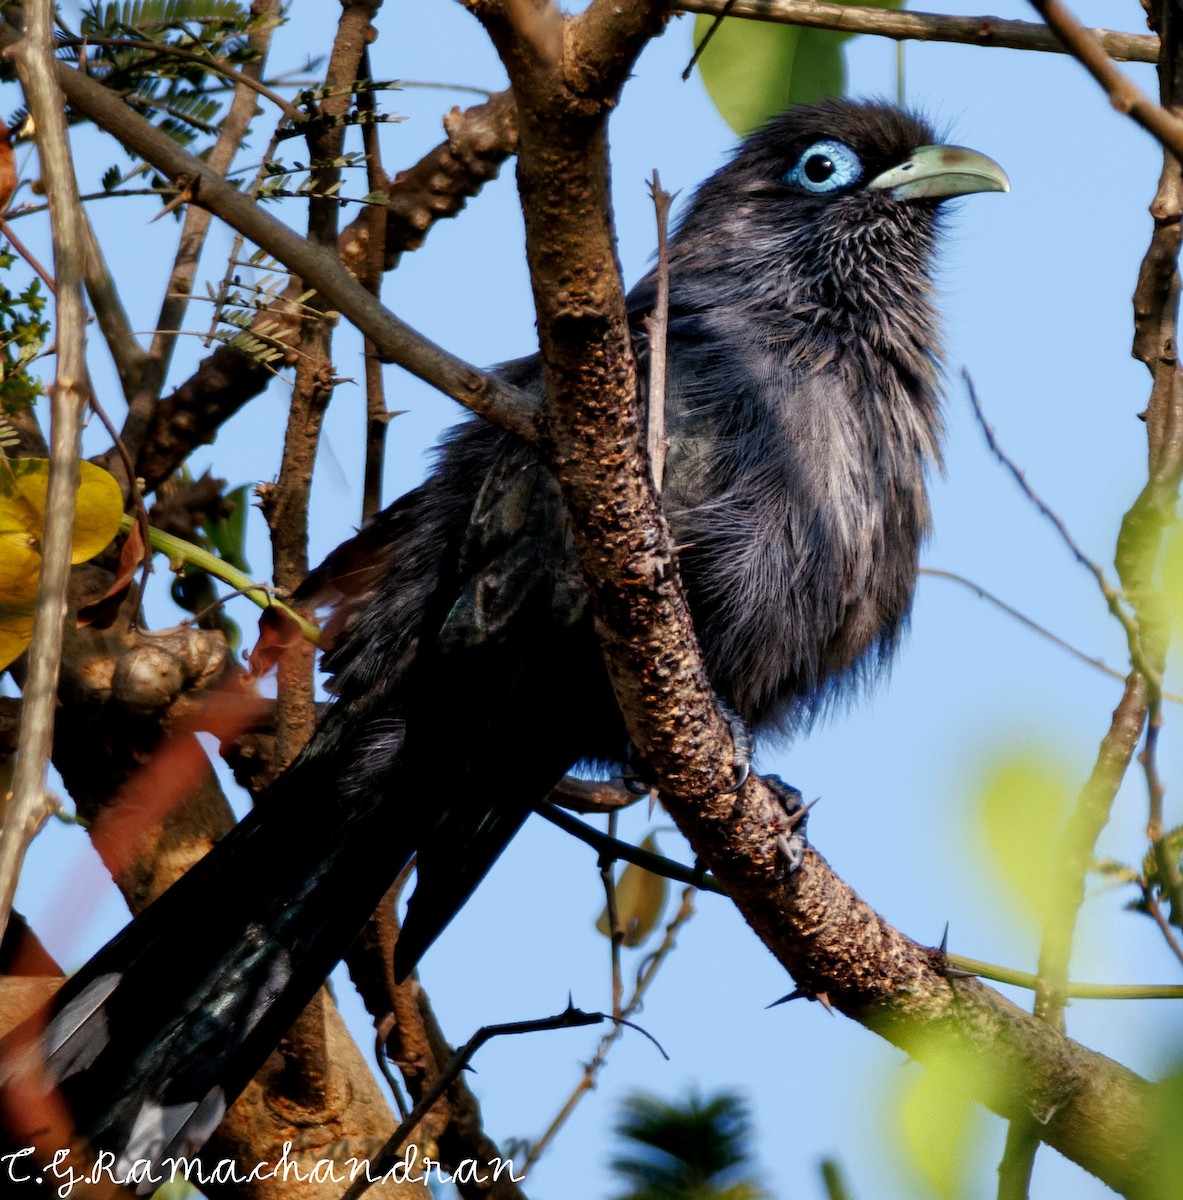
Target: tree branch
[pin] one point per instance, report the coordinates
(396, 341)
(479, 139)
(35, 65)
(1090, 1108)
(1124, 94)
(922, 26)
(142, 404)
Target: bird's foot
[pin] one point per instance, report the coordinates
(791, 841)
(742, 744)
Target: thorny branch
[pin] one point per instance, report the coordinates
(570, 1018)
(1137, 555)
(646, 973)
(820, 931)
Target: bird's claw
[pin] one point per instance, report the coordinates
(791, 841)
(633, 778)
(742, 745)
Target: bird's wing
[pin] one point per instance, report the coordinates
(511, 689)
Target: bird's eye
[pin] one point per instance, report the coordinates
(826, 166)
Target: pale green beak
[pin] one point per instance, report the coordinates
(938, 172)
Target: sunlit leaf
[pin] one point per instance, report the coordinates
(942, 1127)
(640, 900)
(1167, 1104)
(1022, 805)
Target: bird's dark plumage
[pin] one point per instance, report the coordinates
(802, 415)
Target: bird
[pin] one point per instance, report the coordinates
(803, 417)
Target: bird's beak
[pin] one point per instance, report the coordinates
(938, 172)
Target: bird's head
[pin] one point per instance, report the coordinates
(827, 201)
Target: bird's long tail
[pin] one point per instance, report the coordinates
(153, 1038)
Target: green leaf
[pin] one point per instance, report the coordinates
(1166, 1181)
(228, 536)
(755, 69)
(1022, 804)
(820, 67)
(942, 1130)
(747, 69)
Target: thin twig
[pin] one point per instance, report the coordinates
(377, 418)
(248, 77)
(615, 932)
(28, 256)
(657, 327)
(31, 210)
(1076, 991)
(646, 973)
(1155, 910)
(1111, 594)
(921, 26)
(34, 58)
(1091, 564)
(387, 1073)
(1035, 627)
(657, 864)
(570, 1018)
(728, 6)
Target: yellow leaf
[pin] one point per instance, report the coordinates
(640, 901)
(24, 483)
(16, 628)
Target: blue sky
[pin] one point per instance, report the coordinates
(1036, 289)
